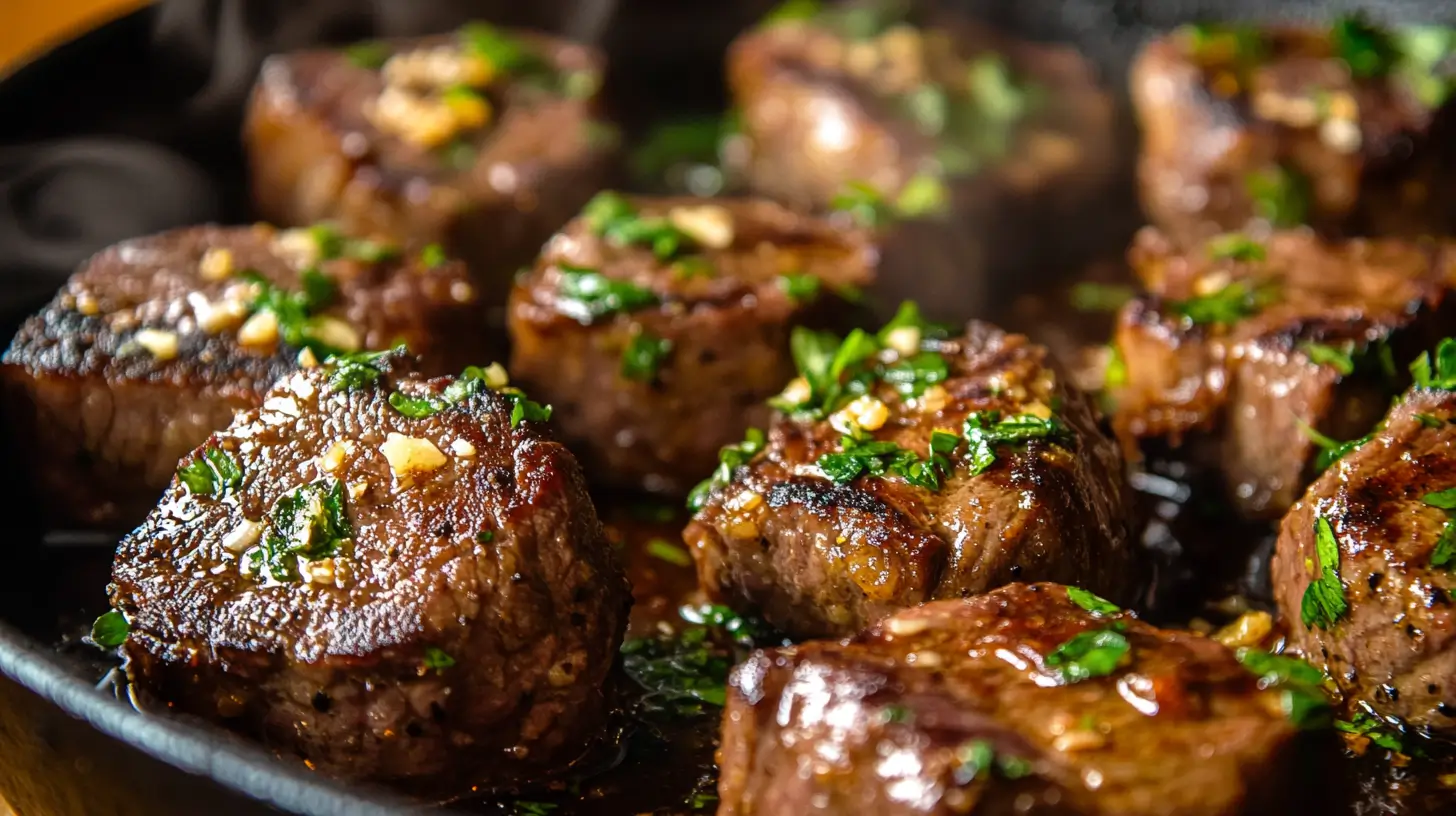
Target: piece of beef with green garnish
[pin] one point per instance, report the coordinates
(1032, 698)
(907, 466)
(1345, 126)
(1363, 569)
(154, 343)
(484, 140)
(962, 145)
(385, 575)
(658, 326)
(1250, 356)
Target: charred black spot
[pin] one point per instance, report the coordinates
(821, 494)
(444, 530)
(414, 729)
(322, 702)
(1374, 580)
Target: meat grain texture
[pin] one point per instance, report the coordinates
(150, 347)
(819, 558)
(953, 707)
(1244, 126)
(724, 312)
(1391, 651)
(461, 612)
(1233, 358)
(485, 141)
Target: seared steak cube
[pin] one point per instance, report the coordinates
(964, 146)
(907, 467)
(154, 343)
(1345, 127)
(385, 575)
(657, 327)
(483, 141)
(1242, 347)
(1028, 699)
(1362, 570)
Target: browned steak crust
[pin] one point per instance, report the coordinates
(321, 145)
(816, 557)
(1308, 337)
(657, 422)
(1391, 649)
(953, 707)
(1242, 124)
(101, 419)
(467, 619)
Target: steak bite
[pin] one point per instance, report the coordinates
(1346, 128)
(1362, 570)
(1028, 699)
(1240, 348)
(385, 575)
(657, 327)
(154, 343)
(907, 467)
(483, 141)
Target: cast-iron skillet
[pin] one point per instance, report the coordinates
(139, 160)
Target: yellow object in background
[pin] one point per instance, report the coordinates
(29, 27)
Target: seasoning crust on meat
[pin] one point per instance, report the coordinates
(385, 575)
(909, 466)
(154, 343)
(657, 327)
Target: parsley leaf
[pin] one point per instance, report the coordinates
(611, 216)
(430, 404)
(1340, 358)
(977, 759)
(110, 630)
(1280, 195)
(349, 371)
(1331, 451)
(800, 288)
(793, 11)
(911, 376)
(1094, 653)
(730, 458)
(433, 256)
(683, 672)
(1235, 246)
(437, 660)
(1444, 553)
(1092, 603)
(1368, 50)
(1443, 374)
(1324, 598)
(865, 205)
(1379, 732)
(664, 550)
(295, 311)
(370, 54)
(857, 456)
(924, 194)
(213, 473)
(984, 431)
(1099, 297)
(523, 409)
(908, 316)
(522, 807)
(1426, 62)
(644, 355)
(588, 295)
(310, 522)
(504, 52)
(1299, 683)
(1234, 302)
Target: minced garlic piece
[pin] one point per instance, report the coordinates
(496, 377)
(334, 456)
(306, 358)
(216, 264)
(797, 392)
(335, 332)
(423, 122)
(408, 455)
(161, 344)
(242, 536)
(709, 224)
(864, 412)
(259, 330)
(462, 447)
(905, 340)
(298, 246)
(1249, 630)
(933, 400)
(316, 572)
(219, 316)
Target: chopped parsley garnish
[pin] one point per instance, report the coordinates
(1443, 374)
(349, 371)
(692, 266)
(995, 91)
(908, 316)
(1379, 732)
(793, 11)
(681, 673)
(504, 52)
(333, 244)
(427, 405)
(897, 714)
(1240, 46)
(912, 375)
(1299, 683)
(1368, 50)
(1100, 297)
(685, 152)
(823, 360)
(295, 310)
(524, 410)
(864, 204)
(1444, 553)
(213, 473)
(876, 458)
(730, 458)
(370, 54)
(664, 550)
(1331, 451)
(485, 536)
(110, 630)
(1340, 358)
(1280, 195)
(643, 355)
(924, 194)
(977, 759)
(588, 295)
(458, 155)
(611, 216)
(522, 807)
(437, 660)
(310, 522)
(1094, 653)
(1115, 374)
(433, 256)
(984, 431)
(1232, 303)
(1098, 606)
(1324, 599)
(800, 288)
(1235, 246)
(1426, 62)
